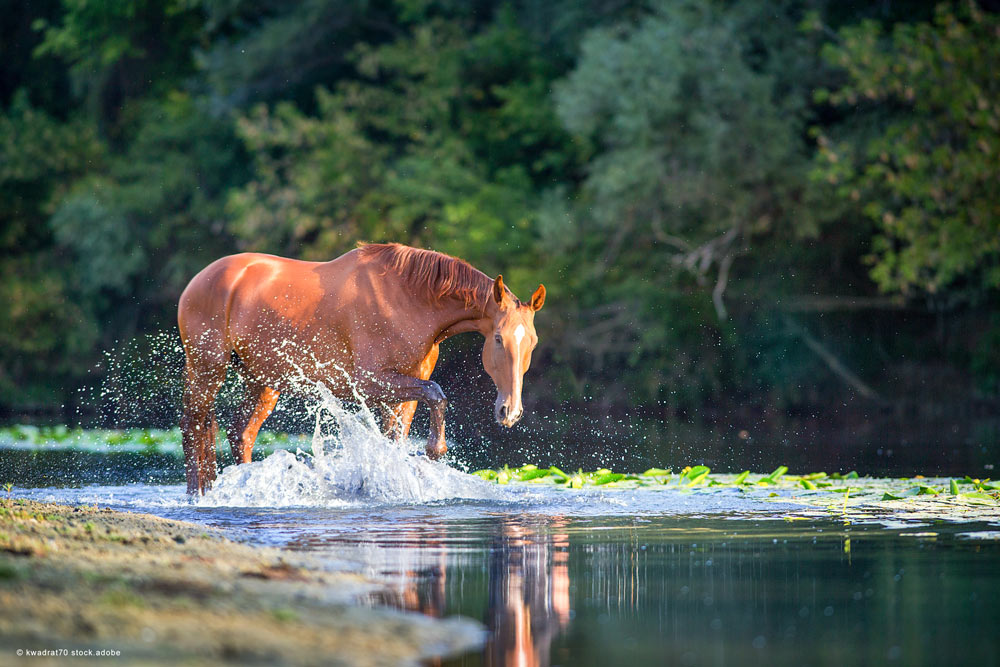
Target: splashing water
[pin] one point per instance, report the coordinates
(351, 462)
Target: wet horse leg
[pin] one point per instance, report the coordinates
(257, 405)
(398, 418)
(392, 387)
(201, 384)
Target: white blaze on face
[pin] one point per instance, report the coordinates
(518, 337)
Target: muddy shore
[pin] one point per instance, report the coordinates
(154, 591)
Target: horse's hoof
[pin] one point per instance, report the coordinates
(435, 453)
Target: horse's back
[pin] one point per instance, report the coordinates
(269, 310)
(206, 295)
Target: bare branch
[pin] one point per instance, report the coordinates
(720, 287)
(834, 364)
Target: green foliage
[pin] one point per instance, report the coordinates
(382, 161)
(693, 152)
(928, 178)
(38, 156)
(120, 50)
(649, 162)
(690, 138)
(179, 164)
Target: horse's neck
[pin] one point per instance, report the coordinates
(456, 316)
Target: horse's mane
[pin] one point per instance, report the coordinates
(434, 272)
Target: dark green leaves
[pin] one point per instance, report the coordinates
(928, 178)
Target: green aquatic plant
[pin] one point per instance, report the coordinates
(148, 441)
(810, 488)
(776, 475)
(695, 475)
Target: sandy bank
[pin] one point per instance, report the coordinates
(160, 591)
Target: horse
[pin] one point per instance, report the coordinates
(369, 321)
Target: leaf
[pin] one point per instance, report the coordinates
(908, 493)
(953, 485)
(697, 471)
(979, 498)
(806, 484)
(776, 475)
(556, 471)
(700, 477)
(656, 472)
(529, 475)
(607, 478)
(741, 477)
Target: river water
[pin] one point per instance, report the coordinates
(598, 576)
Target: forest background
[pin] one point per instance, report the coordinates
(745, 213)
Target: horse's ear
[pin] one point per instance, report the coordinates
(498, 291)
(538, 298)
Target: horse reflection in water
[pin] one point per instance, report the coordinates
(529, 593)
(527, 586)
(528, 589)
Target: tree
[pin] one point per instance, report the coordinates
(45, 335)
(927, 176)
(426, 144)
(694, 154)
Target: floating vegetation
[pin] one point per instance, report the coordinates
(838, 492)
(142, 440)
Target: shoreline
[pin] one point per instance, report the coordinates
(160, 591)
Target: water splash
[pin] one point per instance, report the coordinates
(351, 462)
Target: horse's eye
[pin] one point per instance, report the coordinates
(498, 339)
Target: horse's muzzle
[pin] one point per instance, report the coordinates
(507, 418)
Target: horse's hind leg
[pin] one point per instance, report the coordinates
(397, 419)
(257, 405)
(204, 373)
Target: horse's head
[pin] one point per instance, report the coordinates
(507, 351)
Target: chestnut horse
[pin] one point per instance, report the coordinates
(369, 321)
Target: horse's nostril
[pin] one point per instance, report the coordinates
(503, 411)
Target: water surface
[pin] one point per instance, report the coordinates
(595, 576)
(607, 577)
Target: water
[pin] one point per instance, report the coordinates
(594, 579)
(602, 576)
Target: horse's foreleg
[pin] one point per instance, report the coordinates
(255, 408)
(392, 387)
(398, 418)
(436, 445)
